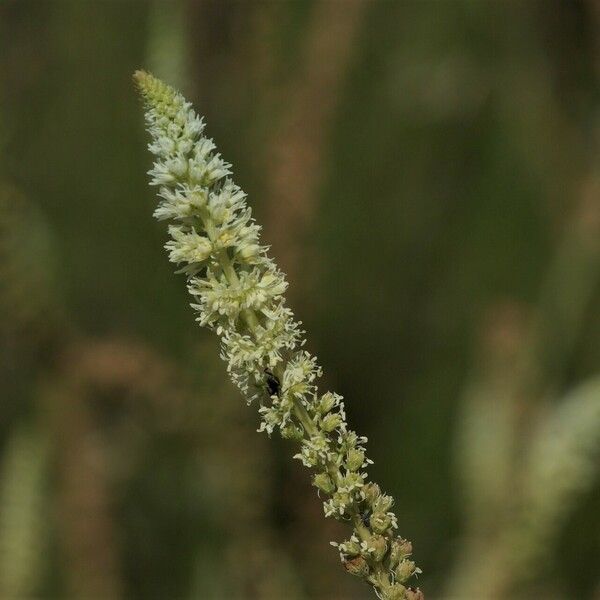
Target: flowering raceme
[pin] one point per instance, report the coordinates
(238, 292)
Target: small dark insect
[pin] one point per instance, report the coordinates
(365, 517)
(273, 383)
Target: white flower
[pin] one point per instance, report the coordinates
(181, 203)
(218, 299)
(187, 246)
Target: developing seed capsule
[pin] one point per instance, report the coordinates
(405, 569)
(357, 566)
(414, 594)
(378, 543)
(371, 492)
(400, 549)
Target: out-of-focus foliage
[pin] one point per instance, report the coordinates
(22, 518)
(448, 156)
(526, 457)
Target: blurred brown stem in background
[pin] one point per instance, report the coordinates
(86, 525)
(297, 150)
(23, 512)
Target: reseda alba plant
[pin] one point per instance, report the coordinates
(238, 293)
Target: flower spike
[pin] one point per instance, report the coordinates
(238, 292)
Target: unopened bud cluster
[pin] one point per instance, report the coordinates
(238, 292)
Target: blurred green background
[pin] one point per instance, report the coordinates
(427, 173)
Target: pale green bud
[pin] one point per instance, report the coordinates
(292, 432)
(331, 421)
(327, 403)
(352, 481)
(372, 492)
(352, 548)
(383, 503)
(249, 251)
(324, 483)
(355, 460)
(343, 498)
(396, 592)
(380, 522)
(405, 569)
(341, 501)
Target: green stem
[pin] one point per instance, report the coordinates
(227, 267)
(304, 418)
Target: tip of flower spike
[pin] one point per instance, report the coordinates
(140, 76)
(151, 87)
(144, 81)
